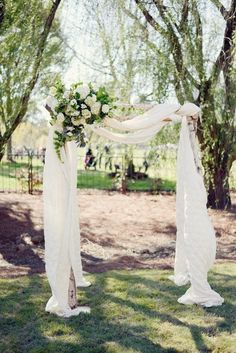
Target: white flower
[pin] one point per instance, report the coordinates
(70, 128)
(58, 127)
(73, 102)
(75, 113)
(75, 122)
(105, 108)
(83, 106)
(51, 102)
(95, 87)
(83, 91)
(69, 110)
(60, 117)
(90, 100)
(53, 90)
(66, 95)
(86, 113)
(95, 109)
(69, 133)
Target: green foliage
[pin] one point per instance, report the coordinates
(21, 32)
(71, 110)
(159, 50)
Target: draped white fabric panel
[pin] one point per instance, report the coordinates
(61, 225)
(196, 243)
(195, 246)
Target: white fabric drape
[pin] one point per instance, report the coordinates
(196, 243)
(61, 225)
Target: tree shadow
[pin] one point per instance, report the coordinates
(16, 220)
(22, 325)
(25, 327)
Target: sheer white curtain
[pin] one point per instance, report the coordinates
(61, 225)
(196, 243)
(195, 246)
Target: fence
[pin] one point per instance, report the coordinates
(144, 171)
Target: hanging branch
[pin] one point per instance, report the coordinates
(35, 74)
(222, 9)
(224, 59)
(182, 73)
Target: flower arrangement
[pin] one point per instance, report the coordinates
(72, 109)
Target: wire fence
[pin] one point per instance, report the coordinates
(152, 172)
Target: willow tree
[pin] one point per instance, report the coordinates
(2, 10)
(200, 73)
(24, 32)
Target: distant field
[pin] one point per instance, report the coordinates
(161, 171)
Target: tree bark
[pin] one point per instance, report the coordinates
(2, 11)
(9, 150)
(35, 73)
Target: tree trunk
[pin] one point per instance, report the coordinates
(35, 73)
(216, 143)
(2, 11)
(9, 150)
(218, 189)
(72, 300)
(216, 174)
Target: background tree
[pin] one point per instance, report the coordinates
(24, 51)
(183, 49)
(198, 54)
(2, 10)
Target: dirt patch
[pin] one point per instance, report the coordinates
(118, 231)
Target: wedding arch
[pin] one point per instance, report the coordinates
(195, 243)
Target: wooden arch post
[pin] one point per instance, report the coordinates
(72, 299)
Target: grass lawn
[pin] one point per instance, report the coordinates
(87, 179)
(90, 179)
(132, 312)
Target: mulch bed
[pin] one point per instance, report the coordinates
(118, 231)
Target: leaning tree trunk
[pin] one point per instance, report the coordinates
(217, 181)
(216, 150)
(2, 10)
(35, 74)
(9, 150)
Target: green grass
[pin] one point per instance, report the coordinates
(90, 179)
(87, 179)
(132, 312)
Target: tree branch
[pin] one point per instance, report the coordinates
(35, 73)
(2, 11)
(174, 43)
(224, 59)
(150, 19)
(221, 7)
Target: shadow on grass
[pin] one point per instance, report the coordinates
(15, 220)
(112, 326)
(23, 322)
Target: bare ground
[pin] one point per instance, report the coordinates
(118, 231)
